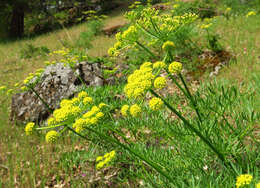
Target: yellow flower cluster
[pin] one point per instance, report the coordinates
(102, 105)
(175, 67)
(63, 51)
(87, 100)
(205, 26)
(69, 109)
(29, 128)
(2, 88)
(105, 160)
(136, 4)
(155, 103)
(140, 81)
(148, 21)
(258, 185)
(244, 179)
(89, 118)
(66, 112)
(159, 65)
(124, 110)
(159, 83)
(251, 13)
(82, 95)
(167, 23)
(228, 10)
(51, 136)
(135, 110)
(9, 91)
(79, 124)
(113, 52)
(32, 78)
(69, 58)
(168, 45)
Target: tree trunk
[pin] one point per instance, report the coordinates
(16, 29)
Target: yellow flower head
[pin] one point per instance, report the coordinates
(135, 110)
(79, 128)
(168, 45)
(9, 91)
(87, 100)
(244, 179)
(251, 13)
(258, 185)
(176, 6)
(23, 88)
(82, 94)
(146, 65)
(99, 115)
(16, 85)
(101, 105)
(65, 102)
(93, 120)
(29, 128)
(124, 110)
(155, 103)
(100, 165)
(79, 123)
(228, 9)
(175, 67)
(159, 65)
(75, 101)
(113, 52)
(95, 109)
(104, 160)
(159, 82)
(28, 79)
(51, 136)
(99, 158)
(205, 26)
(88, 114)
(51, 121)
(2, 88)
(140, 81)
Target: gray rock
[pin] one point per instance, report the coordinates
(56, 83)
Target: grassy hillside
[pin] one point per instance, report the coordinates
(30, 162)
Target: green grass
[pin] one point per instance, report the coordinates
(158, 136)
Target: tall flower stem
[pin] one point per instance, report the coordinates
(193, 129)
(146, 49)
(193, 102)
(149, 162)
(80, 135)
(187, 93)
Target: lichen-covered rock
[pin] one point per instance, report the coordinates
(56, 83)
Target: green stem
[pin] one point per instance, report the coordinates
(41, 99)
(50, 127)
(147, 31)
(146, 49)
(193, 129)
(194, 104)
(80, 135)
(151, 163)
(155, 27)
(175, 81)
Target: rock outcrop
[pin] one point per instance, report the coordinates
(56, 83)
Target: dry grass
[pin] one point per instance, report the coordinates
(241, 36)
